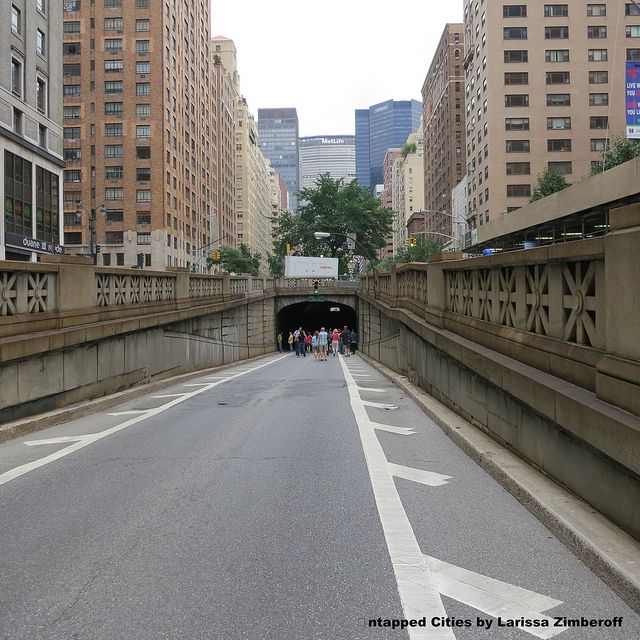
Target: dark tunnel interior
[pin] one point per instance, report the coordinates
(311, 316)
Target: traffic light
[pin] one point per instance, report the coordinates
(316, 284)
(215, 256)
(414, 242)
(408, 242)
(288, 249)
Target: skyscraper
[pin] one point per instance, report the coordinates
(278, 135)
(139, 132)
(30, 128)
(335, 155)
(378, 128)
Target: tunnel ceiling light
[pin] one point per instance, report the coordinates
(335, 309)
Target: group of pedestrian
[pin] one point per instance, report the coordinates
(321, 343)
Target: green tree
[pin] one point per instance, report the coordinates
(620, 150)
(548, 182)
(341, 209)
(424, 248)
(240, 260)
(408, 148)
(276, 265)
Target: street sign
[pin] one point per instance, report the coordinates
(316, 297)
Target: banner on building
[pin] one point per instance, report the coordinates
(633, 99)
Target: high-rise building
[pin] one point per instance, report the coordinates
(30, 128)
(139, 133)
(227, 91)
(378, 128)
(444, 129)
(545, 89)
(386, 198)
(278, 132)
(335, 155)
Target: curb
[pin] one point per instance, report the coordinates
(612, 554)
(40, 421)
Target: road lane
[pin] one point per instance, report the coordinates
(247, 511)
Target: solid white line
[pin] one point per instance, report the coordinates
(170, 395)
(416, 586)
(195, 384)
(16, 472)
(128, 413)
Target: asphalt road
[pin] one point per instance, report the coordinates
(265, 502)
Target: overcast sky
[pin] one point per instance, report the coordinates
(329, 57)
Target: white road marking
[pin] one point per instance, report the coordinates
(128, 413)
(429, 478)
(371, 389)
(79, 442)
(169, 395)
(379, 405)
(60, 440)
(195, 384)
(494, 597)
(403, 431)
(416, 586)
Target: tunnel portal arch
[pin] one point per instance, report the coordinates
(311, 316)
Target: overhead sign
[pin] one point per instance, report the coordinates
(32, 244)
(633, 99)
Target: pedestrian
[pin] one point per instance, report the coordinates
(300, 337)
(335, 341)
(345, 337)
(314, 346)
(290, 340)
(279, 339)
(323, 338)
(353, 341)
(307, 341)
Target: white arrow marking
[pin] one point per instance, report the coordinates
(61, 440)
(379, 405)
(403, 431)
(371, 389)
(493, 597)
(133, 412)
(418, 475)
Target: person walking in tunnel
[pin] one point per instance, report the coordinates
(279, 340)
(300, 337)
(335, 339)
(314, 346)
(323, 339)
(290, 340)
(345, 338)
(307, 341)
(353, 341)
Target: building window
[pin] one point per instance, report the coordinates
(518, 146)
(72, 133)
(556, 10)
(565, 168)
(142, 25)
(113, 108)
(17, 195)
(631, 9)
(598, 99)
(514, 33)
(561, 146)
(142, 47)
(41, 43)
(16, 76)
(113, 193)
(143, 196)
(558, 100)
(70, 113)
(143, 153)
(633, 31)
(143, 131)
(113, 173)
(71, 91)
(598, 77)
(112, 4)
(143, 111)
(144, 238)
(113, 24)
(518, 190)
(516, 100)
(114, 215)
(598, 122)
(143, 217)
(517, 77)
(518, 55)
(558, 123)
(113, 66)
(71, 49)
(120, 257)
(71, 69)
(113, 151)
(73, 237)
(16, 20)
(558, 77)
(41, 6)
(143, 174)
(72, 177)
(71, 6)
(596, 32)
(633, 54)
(142, 68)
(113, 45)
(598, 144)
(556, 55)
(556, 33)
(514, 11)
(115, 237)
(516, 124)
(143, 89)
(142, 4)
(518, 168)
(113, 129)
(113, 86)
(106, 259)
(47, 206)
(597, 55)
(596, 10)
(71, 27)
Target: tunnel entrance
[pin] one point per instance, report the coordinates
(311, 316)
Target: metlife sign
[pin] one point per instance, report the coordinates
(633, 99)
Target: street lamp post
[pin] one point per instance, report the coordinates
(93, 244)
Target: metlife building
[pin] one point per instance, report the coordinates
(335, 155)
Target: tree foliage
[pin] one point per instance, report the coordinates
(408, 148)
(424, 248)
(548, 182)
(341, 209)
(620, 150)
(240, 260)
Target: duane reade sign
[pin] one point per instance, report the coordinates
(310, 267)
